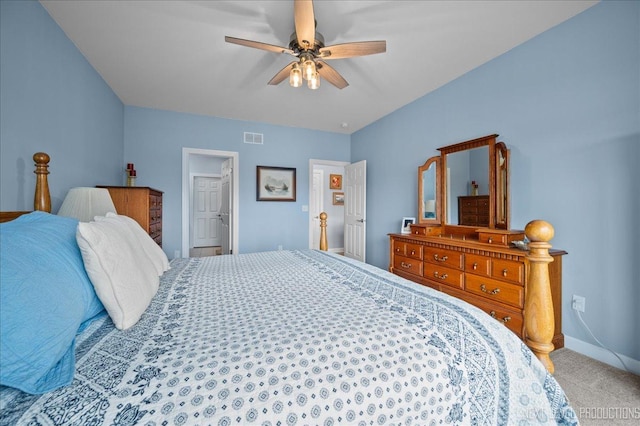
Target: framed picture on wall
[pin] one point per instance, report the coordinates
(338, 198)
(275, 183)
(335, 181)
(406, 224)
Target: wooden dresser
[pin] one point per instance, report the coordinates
(483, 271)
(141, 203)
(473, 210)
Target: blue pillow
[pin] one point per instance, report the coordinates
(45, 296)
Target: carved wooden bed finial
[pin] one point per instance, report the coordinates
(323, 232)
(42, 198)
(539, 315)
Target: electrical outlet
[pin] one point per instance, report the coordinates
(578, 303)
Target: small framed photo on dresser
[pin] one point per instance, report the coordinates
(406, 224)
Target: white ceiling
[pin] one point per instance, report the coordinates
(171, 55)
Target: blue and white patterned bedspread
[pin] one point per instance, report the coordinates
(298, 338)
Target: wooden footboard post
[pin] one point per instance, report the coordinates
(324, 245)
(538, 304)
(42, 198)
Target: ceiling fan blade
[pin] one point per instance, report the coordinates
(258, 45)
(331, 75)
(349, 50)
(282, 74)
(305, 23)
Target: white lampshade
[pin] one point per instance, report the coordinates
(86, 203)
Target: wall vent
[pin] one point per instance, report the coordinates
(254, 138)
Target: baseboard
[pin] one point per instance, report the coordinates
(339, 250)
(601, 354)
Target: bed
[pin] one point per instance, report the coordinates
(299, 337)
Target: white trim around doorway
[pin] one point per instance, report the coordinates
(186, 185)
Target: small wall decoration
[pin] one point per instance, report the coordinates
(275, 183)
(406, 222)
(338, 198)
(335, 181)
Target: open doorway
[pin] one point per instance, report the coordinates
(212, 166)
(321, 198)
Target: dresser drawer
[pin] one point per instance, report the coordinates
(476, 264)
(443, 275)
(411, 250)
(508, 270)
(407, 264)
(491, 289)
(438, 256)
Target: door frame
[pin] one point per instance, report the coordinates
(312, 163)
(235, 204)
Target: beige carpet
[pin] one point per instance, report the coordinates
(599, 394)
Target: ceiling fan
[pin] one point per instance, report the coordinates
(307, 45)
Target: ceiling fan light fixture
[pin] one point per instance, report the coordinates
(295, 76)
(314, 82)
(308, 68)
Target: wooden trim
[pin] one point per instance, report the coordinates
(7, 216)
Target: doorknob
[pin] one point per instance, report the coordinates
(360, 220)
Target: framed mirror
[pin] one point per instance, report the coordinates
(429, 201)
(475, 184)
(502, 186)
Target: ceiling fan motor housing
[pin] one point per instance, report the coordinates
(319, 44)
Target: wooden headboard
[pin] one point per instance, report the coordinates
(42, 197)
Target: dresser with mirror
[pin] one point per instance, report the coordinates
(462, 244)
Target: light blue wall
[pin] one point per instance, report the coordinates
(51, 100)
(567, 105)
(154, 140)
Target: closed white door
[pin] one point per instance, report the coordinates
(225, 206)
(206, 211)
(355, 206)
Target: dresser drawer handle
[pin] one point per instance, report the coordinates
(475, 265)
(440, 259)
(413, 252)
(483, 288)
(441, 276)
(405, 265)
(504, 272)
(397, 250)
(505, 319)
(490, 240)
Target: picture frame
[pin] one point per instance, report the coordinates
(275, 183)
(405, 225)
(335, 181)
(338, 198)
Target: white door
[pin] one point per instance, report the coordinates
(206, 211)
(355, 206)
(226, 215)
(316, 207)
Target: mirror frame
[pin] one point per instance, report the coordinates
(435, 161)
(502, 186)
(498, 183)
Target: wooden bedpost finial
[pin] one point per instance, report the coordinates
(42, 198)
(538, 307)
(323, 232)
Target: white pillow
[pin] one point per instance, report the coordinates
(125, 280)
(150, 247)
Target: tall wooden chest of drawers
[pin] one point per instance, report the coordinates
(473, 210)
(141, 203)
(491, 277)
